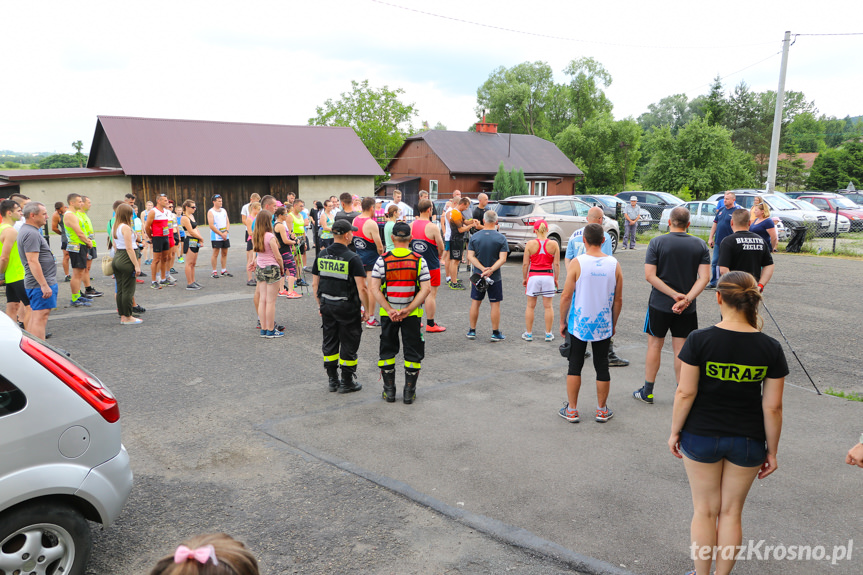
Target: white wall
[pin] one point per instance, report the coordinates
(102, 191)
(319, 188)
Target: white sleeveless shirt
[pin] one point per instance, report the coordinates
(590, 316)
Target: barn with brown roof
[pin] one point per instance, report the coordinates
(442, 161)
(189, 159)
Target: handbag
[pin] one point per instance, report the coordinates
(108, 265)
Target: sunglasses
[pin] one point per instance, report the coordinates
(217, 197)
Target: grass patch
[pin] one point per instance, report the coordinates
(850, 396)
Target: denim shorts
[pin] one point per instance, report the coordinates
(740, 451)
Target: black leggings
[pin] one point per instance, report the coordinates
(600, 357)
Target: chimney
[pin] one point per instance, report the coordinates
(486, 128)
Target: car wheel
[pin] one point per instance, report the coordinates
(556, 239)
(613, 241)
(44, 538)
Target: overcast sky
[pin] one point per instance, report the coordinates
(274, 61)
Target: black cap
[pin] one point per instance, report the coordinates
(401, 230)
(341, 227)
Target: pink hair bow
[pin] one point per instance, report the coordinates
(201, 554)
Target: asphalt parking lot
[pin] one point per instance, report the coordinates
(235, 433)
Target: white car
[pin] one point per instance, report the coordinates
(61, 459)
(701, 219)
(840, 226)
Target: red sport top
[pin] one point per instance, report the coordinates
(541, 263)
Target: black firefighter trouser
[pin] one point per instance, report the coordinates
(412, 338)
(342, 332)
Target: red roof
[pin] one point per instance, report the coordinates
(151, 147)
(57, 174)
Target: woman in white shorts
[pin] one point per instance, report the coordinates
(540, 270)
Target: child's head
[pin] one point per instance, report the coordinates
(211, 554)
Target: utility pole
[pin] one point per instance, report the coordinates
(777, 116)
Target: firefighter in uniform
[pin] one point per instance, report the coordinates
(401, 282)
(339, 286)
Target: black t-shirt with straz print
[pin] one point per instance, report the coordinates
(732, 367)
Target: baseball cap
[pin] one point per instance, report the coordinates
(401, 230)
(538, 223)
(341, 227)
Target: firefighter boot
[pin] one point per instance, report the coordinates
(410, 391)
(333, 373)
(349, 380)
(389, 377)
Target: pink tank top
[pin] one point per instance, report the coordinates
(541, 262)
(266, 257)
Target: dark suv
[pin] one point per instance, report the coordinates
(653, 202)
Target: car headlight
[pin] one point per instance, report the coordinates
(810, 217)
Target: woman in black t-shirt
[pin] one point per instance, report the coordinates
(727, 418)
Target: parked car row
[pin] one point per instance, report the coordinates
(609, 207)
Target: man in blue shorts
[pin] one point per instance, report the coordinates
(40, 271)
(677, 265)
(487, 252)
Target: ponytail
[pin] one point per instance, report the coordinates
(740, 291)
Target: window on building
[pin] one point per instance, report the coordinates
(432, 190)
(540, 188)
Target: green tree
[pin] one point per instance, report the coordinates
(791, 172)
(380, 119)
(700, 156)
(515, 98)
(805, 133)
(587, 79)
(59, 161)
(834, 168)
(605, 150)
(508, 182)
(673, 111)
(716, 105)
(79, 145)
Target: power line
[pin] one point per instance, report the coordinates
(741, 69)
(551, 37)
(836, 34)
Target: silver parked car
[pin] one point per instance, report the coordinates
(609, 207)
(61, 459)
(564, 215)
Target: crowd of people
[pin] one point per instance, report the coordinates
(375, 269)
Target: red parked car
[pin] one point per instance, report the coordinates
(846, 208)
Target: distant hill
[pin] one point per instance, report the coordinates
(856, 119)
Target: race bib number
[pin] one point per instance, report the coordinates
(92, 236)
(166, 231)
(193, 243)
(74, 248)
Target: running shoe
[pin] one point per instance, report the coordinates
(571, 415)
(293, 295)
(373, 323)
(301, 282)
(85, 298)
(498, 336)
(471, 334)
(193, 287)
(135, 321)
(197, 284)
(227, 273)
(167, 283)
(603, 415)
(436, 328)
(307, 269)
(80, 303)
(283, 293)
(139, 281)
(549, 337)
(155, 285)
(456, 285)
(181, 260)
(615, 361)
(642, 395)
(172, 278)
(215, 275)
(527, 336)
(460, 284)
(275, 333)
(252, 282)
(148, 262)
(172, 271)
(67, 279)
(263, 331)
(138, 309)
(92, 292)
